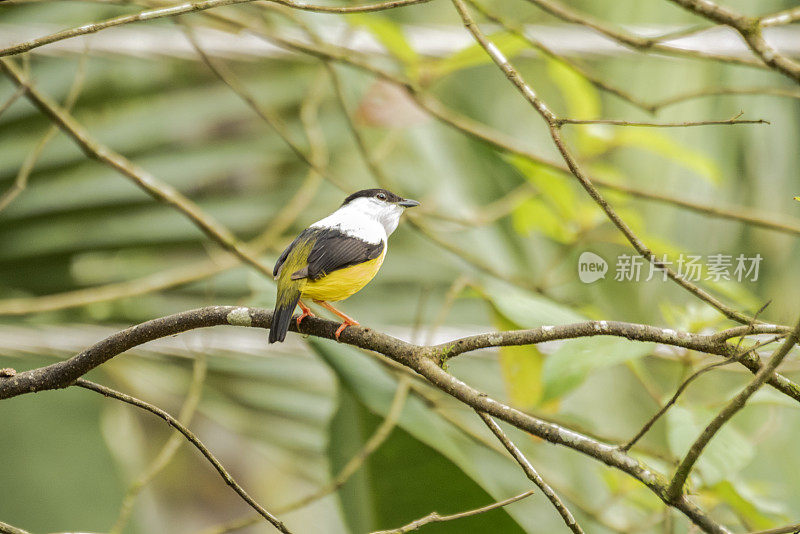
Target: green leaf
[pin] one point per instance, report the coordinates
(663, 145)
(580, 97)
(374, 388)
(569, 365)
(522, 370)
(404, 479)
(752, 509)
(536, 215)
(725, 455)
(391, 36)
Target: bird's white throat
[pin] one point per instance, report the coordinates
(366, 218)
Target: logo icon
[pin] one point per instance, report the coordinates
(591, 267)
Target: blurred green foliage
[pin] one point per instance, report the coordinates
(285, 419)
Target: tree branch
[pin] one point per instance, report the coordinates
(422, 359)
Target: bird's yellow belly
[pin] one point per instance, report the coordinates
(342, 283)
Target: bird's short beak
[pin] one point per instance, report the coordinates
(408, 203)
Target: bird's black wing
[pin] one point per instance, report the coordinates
(333, 250)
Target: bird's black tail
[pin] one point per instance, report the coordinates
(284, 308)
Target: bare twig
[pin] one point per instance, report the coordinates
(737, 403)
(13, 98)
(434, 517)
(169, 449)
(108, 392)
(612, 122)
(531, 473)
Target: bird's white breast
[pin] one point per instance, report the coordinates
(354, 223)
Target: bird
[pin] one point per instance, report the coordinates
(335, 257)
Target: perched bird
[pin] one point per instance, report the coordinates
(335, 257)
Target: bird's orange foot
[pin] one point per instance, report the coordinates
(306, 312)
(343, 326)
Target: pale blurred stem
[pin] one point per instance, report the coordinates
(355, 463)
(167, 452)
(194, 272)
(171, 421)
(11, 99)
(682, 387)
(554, 125)
(675, 488)
(160, 191)
(750, 30)
(531, 473)
(21, 181)
(453, 292)
(435, 517)
(425, 361)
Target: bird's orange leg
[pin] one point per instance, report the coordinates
(348, 321)
(306, 312)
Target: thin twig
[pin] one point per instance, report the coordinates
(613, 122)
(167, 452)
(531, 473)
(675, 487)
(434, 517)
(108, 392)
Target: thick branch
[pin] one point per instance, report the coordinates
(423, 360)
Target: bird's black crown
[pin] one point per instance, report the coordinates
(376, 193)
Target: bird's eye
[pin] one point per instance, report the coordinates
(381, 196)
